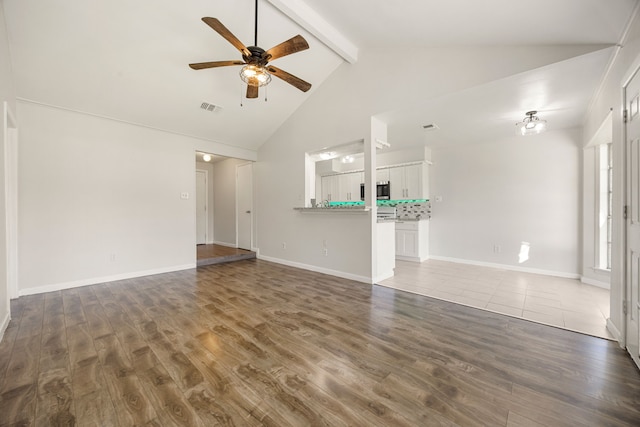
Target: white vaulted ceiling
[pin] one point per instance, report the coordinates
(128, 60)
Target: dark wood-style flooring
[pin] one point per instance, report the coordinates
(253, 343)
(217, 254)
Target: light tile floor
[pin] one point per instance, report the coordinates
(555, 301)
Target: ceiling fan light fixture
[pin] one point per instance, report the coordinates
(255, 75)
(531, 124)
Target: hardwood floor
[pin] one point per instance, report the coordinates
(217, 254)
(253, 343)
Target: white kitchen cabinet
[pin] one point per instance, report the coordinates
(349, 186)
(342, 188)
(397, 183)
(408, 182)
(412, 240)
(330, 188)
(382, 175)
(415, 181)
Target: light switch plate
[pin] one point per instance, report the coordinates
(184, 196)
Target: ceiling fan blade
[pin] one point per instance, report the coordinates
(289, 78)
(228, 35)
(203, 65)
(252, 91)
(293, 45)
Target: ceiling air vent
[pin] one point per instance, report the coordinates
(431, 126)
(210, 107)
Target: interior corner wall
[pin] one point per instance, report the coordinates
(609, 98)
(496, 196)
(224, 201)
(7, 94)
(100, 200)
(340, 111)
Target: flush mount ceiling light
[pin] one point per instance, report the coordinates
(206, 157)
(328, 155)
(531, 125)
(348, 159)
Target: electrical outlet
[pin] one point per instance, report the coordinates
(284, 245)
(112, 257)
(325, 251)
(497, 249)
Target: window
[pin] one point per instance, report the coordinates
(605, 192)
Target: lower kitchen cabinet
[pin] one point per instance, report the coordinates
(412, 240)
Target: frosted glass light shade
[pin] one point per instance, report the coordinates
(531, 125)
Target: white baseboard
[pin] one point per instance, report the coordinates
(411, 258)
(615, 332)
(317, 269)
(96, 280)
(229, 245)
(384, 276)
(4, 324)
(508, 267)
(597, 283)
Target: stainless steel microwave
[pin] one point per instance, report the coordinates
(383, 190)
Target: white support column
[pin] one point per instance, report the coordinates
(378, 132)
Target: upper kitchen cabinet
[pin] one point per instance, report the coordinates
(342, 188)
(349, 186)
(409, 182)
(382, 175)
(330, 188)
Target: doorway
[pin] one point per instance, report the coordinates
(224, 209)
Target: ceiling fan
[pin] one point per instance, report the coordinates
(256, 70)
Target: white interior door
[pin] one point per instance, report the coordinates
(202, 202)
(244, 211)
(632, 299)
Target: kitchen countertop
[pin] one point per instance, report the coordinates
(335, 209)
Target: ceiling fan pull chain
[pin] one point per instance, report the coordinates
(241, 95)
(265, 93)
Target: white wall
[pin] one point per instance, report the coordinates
(340, 110)
(7, 94)
(224, 194)
(610, 99)
(523, 189)
(101, 199)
